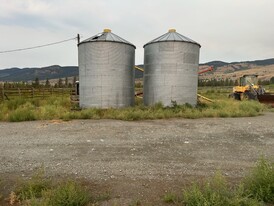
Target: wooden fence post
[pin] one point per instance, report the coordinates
(3, 94)
(32, 92)
(19, 92)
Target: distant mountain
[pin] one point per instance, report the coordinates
(221, 70)
(215, 64)
(264, 62)
(29, 74)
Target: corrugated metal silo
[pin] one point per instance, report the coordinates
(171, 70)
(106, 71)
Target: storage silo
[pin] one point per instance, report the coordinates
(106, 71)
(171, 64)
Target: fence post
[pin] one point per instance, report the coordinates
(32, 92)
(19, 92)
(3, 94)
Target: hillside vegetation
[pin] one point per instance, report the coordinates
(222, 70)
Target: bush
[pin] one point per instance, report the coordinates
(256, 189)
(170, 198)
(69, 194)
(213, 192)
(42, 192)
(34, 187)
(23, 113)
(260, 183)
(15, 103)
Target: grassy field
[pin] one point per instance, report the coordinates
(59, 107)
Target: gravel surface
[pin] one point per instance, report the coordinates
(136, 160)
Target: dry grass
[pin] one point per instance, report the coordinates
(20, 109)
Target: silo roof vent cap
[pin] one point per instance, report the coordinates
(171, 30)
(107, 30)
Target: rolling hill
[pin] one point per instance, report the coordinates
(222, 70)
(29, 74)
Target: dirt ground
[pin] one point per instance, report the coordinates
(135, 160)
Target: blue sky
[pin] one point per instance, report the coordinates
(228, 30)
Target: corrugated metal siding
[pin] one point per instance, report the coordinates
(106, 74)
(171, 73)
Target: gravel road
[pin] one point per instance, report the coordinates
(136, 160)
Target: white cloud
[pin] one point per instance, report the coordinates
(229, 30)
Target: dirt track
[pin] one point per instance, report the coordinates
(136, 160)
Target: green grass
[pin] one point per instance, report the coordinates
(40, 191)
(221, 108)
(170, 198)
(33, 188)
(212, 192)
(69, 194)
(256, 189)
(260, 183)
(54, 107)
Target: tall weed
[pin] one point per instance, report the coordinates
(212, 192)
(259, 183)
(24, 113)
(34, 187)
(69, 194)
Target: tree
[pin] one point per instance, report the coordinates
(36, 82)
(236, 83)
(60, 83)
(47, 83)
(66, 82)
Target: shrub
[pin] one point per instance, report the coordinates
(42, 192)
(15, 103)
(217, 192)
(170, 198)
(33, 188)
(259, 183)
(69, 194)
(213, 192)
(23, 113)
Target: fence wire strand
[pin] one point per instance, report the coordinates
(35, 47)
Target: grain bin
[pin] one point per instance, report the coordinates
(171, 70)
(106, 71)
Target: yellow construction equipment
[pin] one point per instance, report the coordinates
(248, 88)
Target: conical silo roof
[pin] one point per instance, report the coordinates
(172, 36)
(107, 36)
